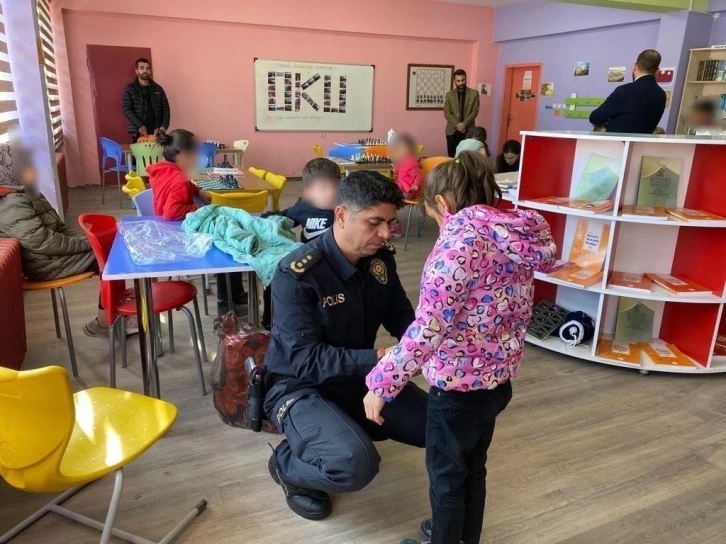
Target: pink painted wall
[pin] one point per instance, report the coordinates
(206, 66)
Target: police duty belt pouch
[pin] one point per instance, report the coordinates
(238, 376)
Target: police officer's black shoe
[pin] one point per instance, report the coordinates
(426, 529)
(307, 503)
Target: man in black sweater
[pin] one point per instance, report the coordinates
(144, 103)
(638, 106)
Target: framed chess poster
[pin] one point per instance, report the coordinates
(427, 86)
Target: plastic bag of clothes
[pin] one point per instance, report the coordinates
(153, 242)
(238, 340)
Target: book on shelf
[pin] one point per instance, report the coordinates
(617, 350)
(659, 178)
(638, 283)
(688, 214)
(599, 179)
(598, 206)
(634, 321)
(653, 212)
(720, 347)
(701, 69)
(571, 273)
(678, 287)
(590, 244)
(587, 254)
(662, 353)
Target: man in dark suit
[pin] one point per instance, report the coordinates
(638, 106)
(460, 110)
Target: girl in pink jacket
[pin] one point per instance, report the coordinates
(475, 304)
(407, 173)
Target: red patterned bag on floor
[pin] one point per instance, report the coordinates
(238, 340)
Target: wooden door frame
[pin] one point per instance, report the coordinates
(507, 94)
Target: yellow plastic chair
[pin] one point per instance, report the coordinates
(134, 185)
(58, 286)
(319, 153)
(249, 202)
(53, 441)
(145, 154)
(276, 180)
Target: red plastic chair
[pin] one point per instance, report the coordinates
(120, 302)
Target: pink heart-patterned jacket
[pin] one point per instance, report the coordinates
(475, 303)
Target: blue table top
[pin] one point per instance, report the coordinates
(120, 266)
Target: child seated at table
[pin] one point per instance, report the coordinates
(407, 172)
(169, 179)
(174, 195)
(479, 134)
(314, 211)
(508, 160)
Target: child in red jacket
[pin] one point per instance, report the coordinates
(407, 172)
(173, 191)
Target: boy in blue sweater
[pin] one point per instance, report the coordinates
(314, 210)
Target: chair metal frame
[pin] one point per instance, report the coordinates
(29, 286)
(107, 528)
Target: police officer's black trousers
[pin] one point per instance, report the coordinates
(329, 444)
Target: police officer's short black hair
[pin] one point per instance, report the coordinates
(320, 168)
(364, 189)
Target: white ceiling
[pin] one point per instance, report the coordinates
(490, 3)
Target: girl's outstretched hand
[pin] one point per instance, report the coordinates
(373, 406)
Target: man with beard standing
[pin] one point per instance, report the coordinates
(460, 109)
(635, 108)
(144, 103)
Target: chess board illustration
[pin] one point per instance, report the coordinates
(428, 85)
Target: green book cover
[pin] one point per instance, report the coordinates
(635, 321)
(599, 179)
(659, 177)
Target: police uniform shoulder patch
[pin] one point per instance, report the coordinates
(379, 271)
(304, 262)
(388, 247)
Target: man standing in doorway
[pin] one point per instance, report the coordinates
(460, 109)
(638, 106)
(144, 103)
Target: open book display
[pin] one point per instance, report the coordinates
(587, 255)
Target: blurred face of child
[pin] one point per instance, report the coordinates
(187, 160)
(29, 179)
(399, 151)
(511, 158)
(322, 193)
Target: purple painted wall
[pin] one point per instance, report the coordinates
(604, 47)
(544, 18)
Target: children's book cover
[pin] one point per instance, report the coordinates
(635, 321)
(590, 244)
(599, 179)
(659, 178)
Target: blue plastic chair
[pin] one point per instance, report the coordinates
(346, 152)
(207, 152)
(144, 203)
(112, 151)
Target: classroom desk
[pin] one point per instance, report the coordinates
(350, 166)
(120, 266)
(238, 155)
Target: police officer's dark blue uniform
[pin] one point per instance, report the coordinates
(327, 315)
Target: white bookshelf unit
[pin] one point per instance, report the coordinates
(698, 84)
(552, 164)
